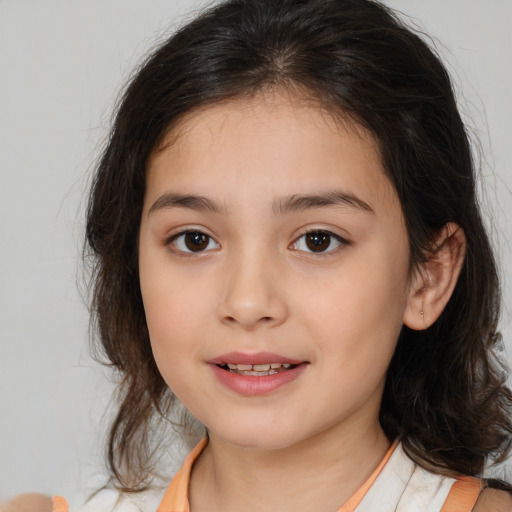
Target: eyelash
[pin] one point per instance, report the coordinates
(342, 242)
(170, 242)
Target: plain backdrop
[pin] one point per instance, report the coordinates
(62, 64)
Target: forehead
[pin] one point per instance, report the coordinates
(269, 143)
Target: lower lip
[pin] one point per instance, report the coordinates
(250, 385)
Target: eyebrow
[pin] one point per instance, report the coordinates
(293, 203)
(301, 202)
(190, 201)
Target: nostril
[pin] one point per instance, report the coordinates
(264, 319)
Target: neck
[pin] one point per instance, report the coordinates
(334, 464)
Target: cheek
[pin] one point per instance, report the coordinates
(170, 299)
(360, 311)
(172, 315)
(173, 318)
(169, 314)
(171, 332)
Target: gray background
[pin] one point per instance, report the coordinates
(62, 64)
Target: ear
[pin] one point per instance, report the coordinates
(434, 280)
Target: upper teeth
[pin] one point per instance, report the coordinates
(257, 367)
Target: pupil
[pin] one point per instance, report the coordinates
(318, 242)
(196, 241)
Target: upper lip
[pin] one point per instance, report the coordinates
(255, 358)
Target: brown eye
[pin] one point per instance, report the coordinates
(196, 241)
(319, 242)
(193, 241)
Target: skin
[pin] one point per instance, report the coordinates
(493, 500)
(30, 502)
(257, 286)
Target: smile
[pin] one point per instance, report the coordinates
(256, 370)
(257, 373)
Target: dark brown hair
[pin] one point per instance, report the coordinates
(445, 396)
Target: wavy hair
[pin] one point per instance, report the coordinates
(445, 396)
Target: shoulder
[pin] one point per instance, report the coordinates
(494, 500)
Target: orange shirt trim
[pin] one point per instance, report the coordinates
(463, 494)
(176, 497)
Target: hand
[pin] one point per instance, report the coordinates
(28, 503)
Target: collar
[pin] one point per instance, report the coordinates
(176, 496)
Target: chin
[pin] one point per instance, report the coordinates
(257, 436)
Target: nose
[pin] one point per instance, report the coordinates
(253, 294)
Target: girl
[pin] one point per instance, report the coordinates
(287, 240)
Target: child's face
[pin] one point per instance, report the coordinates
(246, 285)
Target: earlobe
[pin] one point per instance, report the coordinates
(434, 280)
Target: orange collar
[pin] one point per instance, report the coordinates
(176, 496)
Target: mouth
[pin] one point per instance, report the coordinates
(257, 373)
(257, 370)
